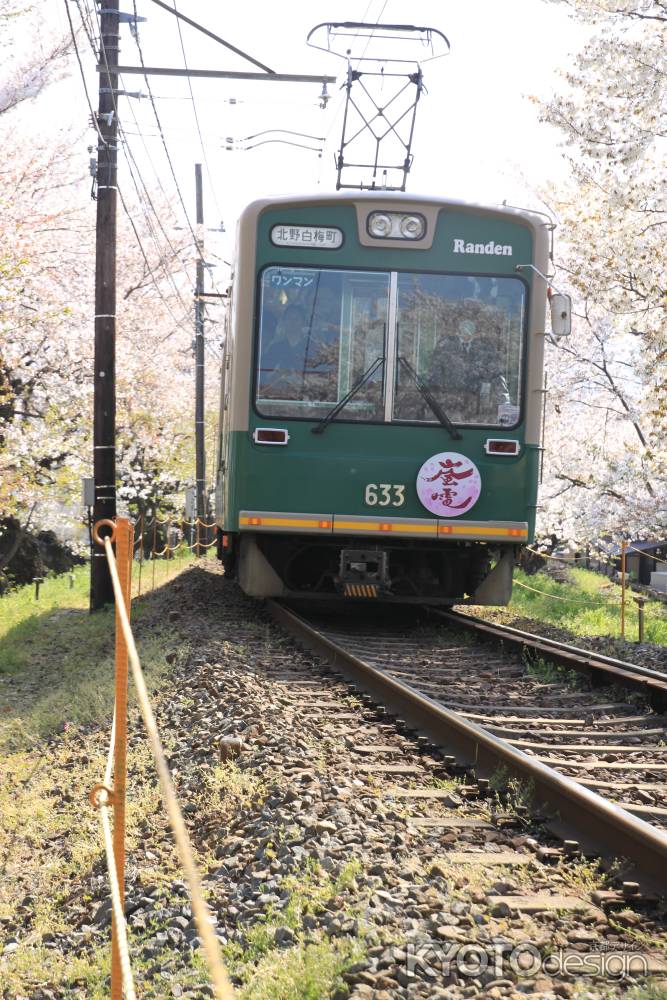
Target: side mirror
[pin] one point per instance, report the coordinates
(561, 314)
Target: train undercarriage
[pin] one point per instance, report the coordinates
(400, 571)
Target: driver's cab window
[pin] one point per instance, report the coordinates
(321, 332)
(460, 336)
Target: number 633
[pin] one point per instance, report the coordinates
(384, 494)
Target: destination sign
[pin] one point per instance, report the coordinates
(316, 237)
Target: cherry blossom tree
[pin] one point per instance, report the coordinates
(47, 249)
(607, 465)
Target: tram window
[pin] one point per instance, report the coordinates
(463, 336)
(319, 332)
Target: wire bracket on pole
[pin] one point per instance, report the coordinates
(382, 92)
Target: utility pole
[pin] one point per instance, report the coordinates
(200, 454)
(104, 405)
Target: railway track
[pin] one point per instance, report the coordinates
(594, 762)
(596, 668)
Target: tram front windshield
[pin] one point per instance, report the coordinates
(322, 332)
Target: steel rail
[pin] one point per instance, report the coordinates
(652, 683)
(596, 823)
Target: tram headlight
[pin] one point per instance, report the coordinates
(379, 225)
(396, 226)
(412, 227)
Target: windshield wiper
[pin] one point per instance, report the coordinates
(325, 421)
(432, 402)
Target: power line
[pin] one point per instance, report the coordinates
(129, 156)
(161, 131)
(88, 26)
(341, 99)
(141, 134)
(120, 193)
(161, 259)
(145, 200)
(93, 115)
(370, 37)
(194, 109)
(130, 106)
(159, 125)
(146, 197)
(94, 119)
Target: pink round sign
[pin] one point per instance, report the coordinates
(448, 484)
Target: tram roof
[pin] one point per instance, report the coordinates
(389, 199)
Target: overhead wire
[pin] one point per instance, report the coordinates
(130, 161)
(144, 200)
(132, 112)
(158, 122)
(196, 116)
(93, 116)
(162, 136)
(168, 274)
(88, 25)
(341, 99)
(144, 196)
(129, 154)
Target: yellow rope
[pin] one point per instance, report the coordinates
(570, 600)
(101, 799)
(202, 545)
(119, 916)
(221, 984)
(112, 741)
(545, 555)
(631, 548)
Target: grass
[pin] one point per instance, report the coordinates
(446, 784)
(84, 976)
(466, 879)
(312, 967)
(513, 795)
(226, 791)
(583, 877)
(552, 673)
(589, 605)
(650, 991)
(56, 660)
(311, 972)
(56, 704)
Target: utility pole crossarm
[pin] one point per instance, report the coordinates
(211, 34)
(220, 74)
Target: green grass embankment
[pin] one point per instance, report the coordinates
(586, 604)
(56, 707)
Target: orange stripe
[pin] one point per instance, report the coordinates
(369, 526)
(384, 527)
(287, 522)
(462, 529)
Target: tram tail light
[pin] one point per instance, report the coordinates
(501, 446)
(270, 435)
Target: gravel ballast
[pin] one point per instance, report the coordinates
(326, 873)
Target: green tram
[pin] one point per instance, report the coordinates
(381, 398)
